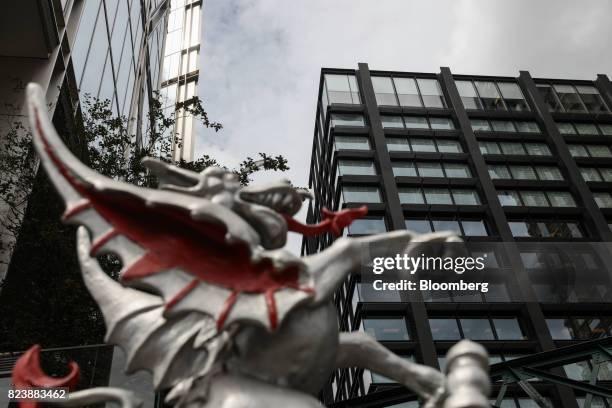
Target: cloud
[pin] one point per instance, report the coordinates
(261, 59)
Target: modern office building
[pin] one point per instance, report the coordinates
(180, 71)
(521, 168)
(121, 50)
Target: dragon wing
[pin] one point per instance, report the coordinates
(193, 267)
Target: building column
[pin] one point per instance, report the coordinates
(395, 214)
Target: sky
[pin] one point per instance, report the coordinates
(261, 59)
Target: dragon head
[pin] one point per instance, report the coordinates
(265, 207)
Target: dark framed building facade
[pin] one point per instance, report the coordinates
(519, 161)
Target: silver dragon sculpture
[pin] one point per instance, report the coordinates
(208, 300)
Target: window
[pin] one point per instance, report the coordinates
(392, 122)
(596, 174)
(419, 226)
(407, 92)
(561, 199)
(592, 99)
(365, 226)
(468, 94)
(416, 122)
(446, 225)
(457, 170)
(449, 146)
(512, 148)
(566, 128)
(519, 228)
(360, 194)
(437, 196)
(429, 169)
(537, 149)
(383, 89)
(411, 196)
(599, 150)
(465, 197)
(513, 96)
(444, 329)
(606, 129)
(606, 173)
(474, 228)
(523, 172)
(586, 128)
(352, 143)
(480, 125)
(398, 144)
(577, 150)
(477, 329)
(603, 199)
(489, 95)
(579, 327)
(404, 169)
(441, 123)
(534, 198)
(347, 119)
(431, 93)
(546, 229)
(341, 88)
(590, 174)
(423, 145)
(386, 329)
(527, 126)
(508, 198)
(499, 171)
(549, 173)
(569, 98)
(356, 167)
(489, 148)
(503, 126)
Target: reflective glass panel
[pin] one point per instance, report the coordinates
(407, 92)
(392, 121)
(444, 329)
(503, 126)
(586, 128)
(474, 228)
(446, 225)
(513, 96)
(457, 170)
(442, 123)
(420, 226)
(352, 143)
(398, 144)
(356, 167)
(431, 93)
(367, 226)
(499, 171)
(527, 126)
(449, 146)
(489, 96)
(422, 145)
(385, 94)
(569, 98)
(430, 169)
(508, 329)
(566, 128)
(468, 94)
(360, 194)
(477, 329)
(537, 149)
(437, 196)
(404, 169)
(416, 122)
(411, 196)
(465, 197)
(386, 329)
(534, 199)
(509, 198)
(550, 98)
(480, 125)
(561, 199)
(592, 99)
(523, 172)
(549, 173)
